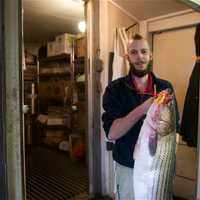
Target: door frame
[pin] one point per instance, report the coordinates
(13, 123)
(93, 63)
(14, 137)
(3, 177)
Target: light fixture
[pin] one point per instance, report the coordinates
(82, 26)
(195, 4)
(196, 1)
(79, 1)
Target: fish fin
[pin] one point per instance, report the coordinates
(153, 139)
(135, 153)
(137, 148)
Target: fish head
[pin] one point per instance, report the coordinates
(161, 114)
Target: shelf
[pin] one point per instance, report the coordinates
(56, 58)
(79, 69)
(27, 79)
(55, 76)
(80, 83)
(51, 92)
(31, 63)
(55, 71)
(79, 60)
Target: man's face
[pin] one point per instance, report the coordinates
(139, 56)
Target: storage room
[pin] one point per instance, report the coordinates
(54, 50)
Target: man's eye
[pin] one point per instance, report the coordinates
(144, 51)
(133, 52)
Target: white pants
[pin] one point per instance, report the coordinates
(123, 182)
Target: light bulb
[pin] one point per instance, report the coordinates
(82, 26)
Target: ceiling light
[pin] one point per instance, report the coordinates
(79, 1)
(195, 4)
(196, 1)
(192, 3)
(82, 26)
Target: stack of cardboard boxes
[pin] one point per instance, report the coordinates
(63, 44)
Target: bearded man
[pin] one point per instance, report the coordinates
(126, 102)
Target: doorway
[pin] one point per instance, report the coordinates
(55, 100)
(3, 181)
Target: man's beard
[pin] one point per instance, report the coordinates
(140, 73)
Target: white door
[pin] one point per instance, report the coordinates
(173, 59)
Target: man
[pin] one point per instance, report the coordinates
(126, 102)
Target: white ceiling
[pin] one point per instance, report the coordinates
(144, 9)
(43, 19)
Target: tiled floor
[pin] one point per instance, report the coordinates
(51, 175)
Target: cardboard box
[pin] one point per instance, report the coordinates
(80, 47)
(64, 43)
(55, 90)
(54, 137)
(55, 121)
(51, 48)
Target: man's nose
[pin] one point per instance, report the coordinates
(139, 55)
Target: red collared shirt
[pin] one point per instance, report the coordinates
(149, 88)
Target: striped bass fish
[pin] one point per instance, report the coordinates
(154, 153)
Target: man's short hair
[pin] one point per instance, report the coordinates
(137, 36)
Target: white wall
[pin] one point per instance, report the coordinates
(117, 18)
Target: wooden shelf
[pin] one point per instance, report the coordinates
(50, 77)
(79, 60)
(30, 79)
(56, 58)
(56, 74)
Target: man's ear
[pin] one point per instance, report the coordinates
(151, 56)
